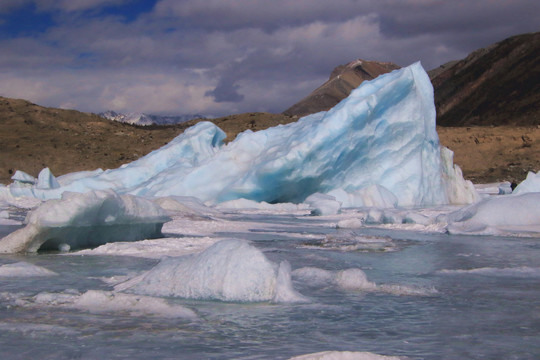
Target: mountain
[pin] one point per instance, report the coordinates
(342, 81)
(146, 119)
(496, 85)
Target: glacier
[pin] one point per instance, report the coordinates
(377, 147)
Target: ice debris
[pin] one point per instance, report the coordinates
(230, 270)
(86, 220)
(378, 146)
(354, 279)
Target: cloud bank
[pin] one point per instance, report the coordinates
(219, 57)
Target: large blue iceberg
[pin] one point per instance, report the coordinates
(379, 143)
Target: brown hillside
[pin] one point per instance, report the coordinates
(33, 137)
(498, 85)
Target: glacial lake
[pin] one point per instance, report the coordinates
(438, 297)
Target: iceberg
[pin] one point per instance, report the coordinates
(377, 146)
(230, 270)
(530, 184)
(86, 220)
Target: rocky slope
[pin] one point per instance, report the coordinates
(342, 81)
(497, 85)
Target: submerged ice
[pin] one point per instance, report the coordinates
(378, 146)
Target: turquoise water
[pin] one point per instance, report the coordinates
(481, 301)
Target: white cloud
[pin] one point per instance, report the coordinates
(75, 5)
(230, 56)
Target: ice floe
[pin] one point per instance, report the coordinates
(103, 302)
(502, 215)
(86, 220)
(24, 269)
(354, 279)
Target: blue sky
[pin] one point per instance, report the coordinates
(219, 57)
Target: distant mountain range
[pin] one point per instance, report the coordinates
(496, 85)
(141, 119)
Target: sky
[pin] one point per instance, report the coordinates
(220, 57)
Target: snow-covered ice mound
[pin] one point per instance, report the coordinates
(103, 302)
(230, 270)
(24, 269)
(502, 215)
(378, 144)
(86, 220)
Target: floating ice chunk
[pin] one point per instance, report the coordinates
(24, 269)
(86, 220)
(46, 180)
(22, 177)
(344, 355)
(323, 204)
(354, 279)
(345, 241)
(530, 184)
(230, 270)
(382, 136)
(98, 301)
(506, 214)
(352, 223)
